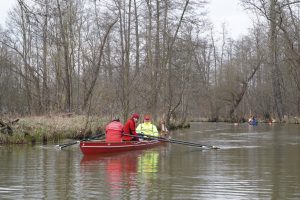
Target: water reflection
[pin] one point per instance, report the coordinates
(148, 163)
(260, 162)
(123, 171)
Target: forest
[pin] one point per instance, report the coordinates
(162, 57)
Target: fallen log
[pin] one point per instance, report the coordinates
(5, 128)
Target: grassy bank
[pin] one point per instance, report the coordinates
(286, 119)
(43, 129)
(52, 129)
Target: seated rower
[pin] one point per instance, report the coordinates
(147, 128)
(129, 129)
(114, 130)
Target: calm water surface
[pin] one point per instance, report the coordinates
(261, 162)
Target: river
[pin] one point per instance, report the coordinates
(253, 162)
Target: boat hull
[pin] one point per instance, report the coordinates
(102, 147)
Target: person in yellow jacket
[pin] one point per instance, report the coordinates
(147, 128)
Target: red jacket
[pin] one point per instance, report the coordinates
(114, 132)
(129, 129)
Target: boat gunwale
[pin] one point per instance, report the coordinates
(122, 144)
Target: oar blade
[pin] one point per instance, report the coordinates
(67, 145)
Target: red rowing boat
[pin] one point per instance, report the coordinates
(102, 147)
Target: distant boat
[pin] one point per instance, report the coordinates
(253, 122)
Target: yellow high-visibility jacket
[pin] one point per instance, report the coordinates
(147, 129)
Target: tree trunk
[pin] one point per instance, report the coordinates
(276, 74)
(45, 91)
(67, 61)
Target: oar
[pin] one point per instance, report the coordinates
(191, 144)
(143, 136)
(61, 146)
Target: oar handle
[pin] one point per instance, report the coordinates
(136, 136)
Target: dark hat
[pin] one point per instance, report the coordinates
(116, 118)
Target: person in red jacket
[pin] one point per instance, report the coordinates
(114, 131)
(129, 128)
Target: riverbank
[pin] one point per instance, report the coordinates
(286, 119)
(43, 129)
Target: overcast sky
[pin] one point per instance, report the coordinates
(232, 14)
(220, 11)
(5, 5)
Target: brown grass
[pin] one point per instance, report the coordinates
(52, 128)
